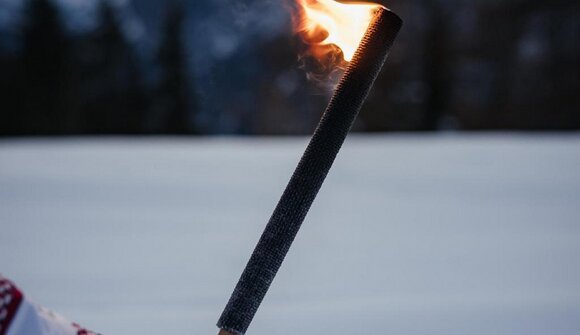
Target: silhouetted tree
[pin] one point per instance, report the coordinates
(114, 95)
(437, 76)
(11, 88)
(45, 58)
(175, 104)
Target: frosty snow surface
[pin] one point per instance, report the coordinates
(458, 234)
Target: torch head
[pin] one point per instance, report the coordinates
(374, 47)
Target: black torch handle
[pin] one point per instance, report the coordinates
(308, 177)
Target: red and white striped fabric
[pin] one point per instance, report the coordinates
(19, 316)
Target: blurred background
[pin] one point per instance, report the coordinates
(426, 226)
(231, 67)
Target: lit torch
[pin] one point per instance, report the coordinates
(364, 33)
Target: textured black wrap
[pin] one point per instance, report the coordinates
(308, 177)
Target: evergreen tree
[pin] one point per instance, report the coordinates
(45, 60)
(115, 101)
(11, 88)
(173, 104)
(437, 75)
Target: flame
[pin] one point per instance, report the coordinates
(327, 22)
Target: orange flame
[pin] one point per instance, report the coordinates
(327, 22)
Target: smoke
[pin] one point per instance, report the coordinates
(231, 28)
(323, 65)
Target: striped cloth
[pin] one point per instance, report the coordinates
(20, 316)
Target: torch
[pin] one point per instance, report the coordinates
(364, 66)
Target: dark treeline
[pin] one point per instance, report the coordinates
(468, 65)
(481, 65)
(57, 82)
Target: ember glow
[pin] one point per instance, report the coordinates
(328, 22)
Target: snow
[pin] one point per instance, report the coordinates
(447, 234)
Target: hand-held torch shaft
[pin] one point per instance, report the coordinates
(308, 177)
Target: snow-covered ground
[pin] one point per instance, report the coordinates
(410, 235)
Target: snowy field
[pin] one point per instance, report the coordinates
(429, 235)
